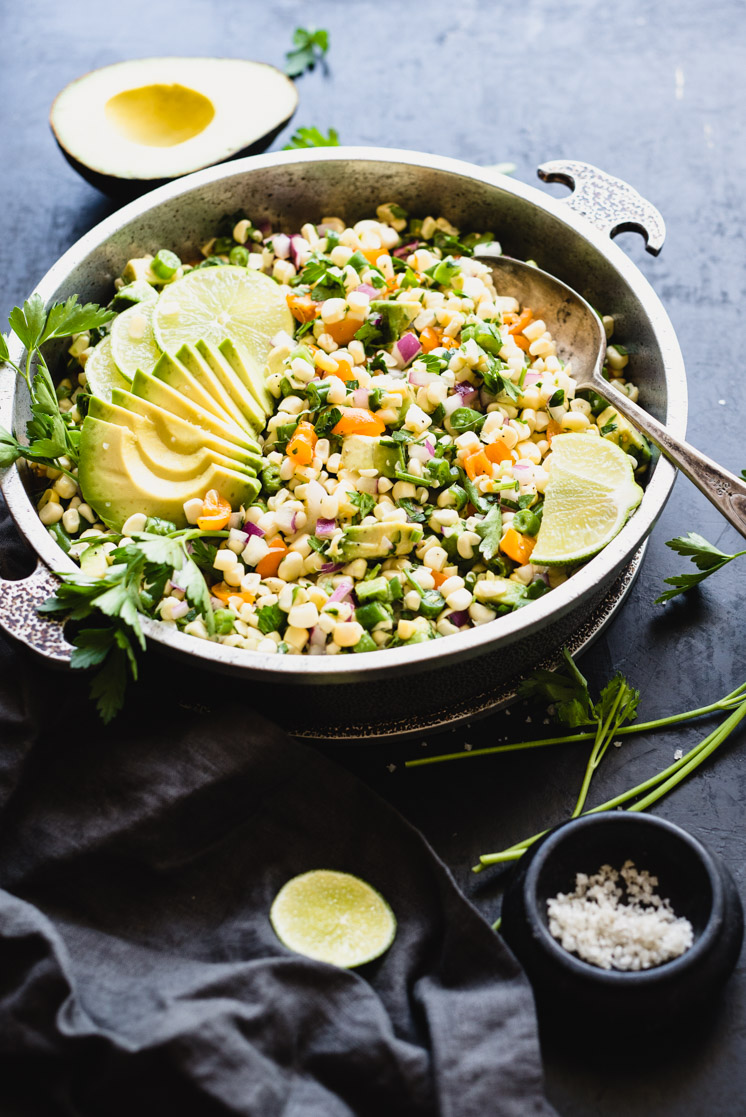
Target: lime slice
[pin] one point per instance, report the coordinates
(589, 496)
(212, 304)
(333, 917)
(101, 372)
(133, 343)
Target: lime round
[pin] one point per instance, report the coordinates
(590, 493)
(133, 344)
(101, 372)
(333, 917)
(212, 304)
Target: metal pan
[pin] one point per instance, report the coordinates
(360, 696)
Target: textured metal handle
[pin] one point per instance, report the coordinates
(610, 204)
(19, 601)
(726, 491)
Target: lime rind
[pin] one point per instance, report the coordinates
(212, 304)
(102, 374)
(333, 917)
(133, 343)
(589, 497)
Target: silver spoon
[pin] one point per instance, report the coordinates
(579, 334)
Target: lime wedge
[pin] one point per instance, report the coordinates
(101, 372)
(212, 304)
(133, 343)
(590, 493)
(333, 917)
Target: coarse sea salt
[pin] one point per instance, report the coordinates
(620, 926)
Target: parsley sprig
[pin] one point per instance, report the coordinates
(51, 434)
(131, 588)
(309, 47)
(707, 558)
(312, 137)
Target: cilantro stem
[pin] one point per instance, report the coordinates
(726, 703)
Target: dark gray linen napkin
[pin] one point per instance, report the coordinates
(139, 973)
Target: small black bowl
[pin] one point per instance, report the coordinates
(572, 992)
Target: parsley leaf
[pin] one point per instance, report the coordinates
(707, 558)
(309, 47)
(312, 137)
(271, 619)
(364, 502)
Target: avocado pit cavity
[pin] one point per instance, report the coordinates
(159, 115)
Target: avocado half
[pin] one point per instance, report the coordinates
(132, 126)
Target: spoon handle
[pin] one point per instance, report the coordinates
(726, 491)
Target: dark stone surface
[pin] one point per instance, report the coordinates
(652, 94)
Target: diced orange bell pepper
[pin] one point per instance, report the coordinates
(267, 566)
(517, 546)
(223, 592)
(302, 307)
(439, 578)
(477, 464)
(301, 446)
(358, 420)
(498, 452)
(522, 321)
(344, 331)
(448, 342)
(553, 428)
(373, 254)
(216, 511)
(430, 338)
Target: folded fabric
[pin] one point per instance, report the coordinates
(139, 970)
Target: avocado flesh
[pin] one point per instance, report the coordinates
(164, 456)
(384, 539)
(199, 388)
(361, 451)
(139, 291)
(394, 318)
(250, 374)
(177, 433)
(116, 482)
(128, 126)
(155, 391)
(625, 436)
(212, 366)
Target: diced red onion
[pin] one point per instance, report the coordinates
(331, 567)
(429, 445)
(280, 245)
(325, 528)
(264, 228)
(406, 349)
(366, 289)
(531, 378)
(523, 470)
(420, 377)
(459, 618)
(541, 576)
(361, 397)
(298, 249)
(342, 591)
(318, 637)
(406, 249)
(467, 392)
(251, 529)
(180, 609)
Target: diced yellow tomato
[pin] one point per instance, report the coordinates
(216, 511)
(372, 255)
(517, 546)
(344, 370)
(267, 566)
(302, 307)
(553, 428)
(477, 464)
(358, 420)
(498, 452)
(344, 331)
(223, 592)
(301, 446)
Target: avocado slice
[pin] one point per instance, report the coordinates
(180, 435)
(157, 392)
(139, 291)
(116, 481)
(394, 318)
(248, 372)
(199, 386)
(165, 456)
(215, 365)
(361, 451)
(128, 126)
(625, 436)
(384, 539)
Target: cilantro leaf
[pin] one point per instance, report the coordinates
(271, 619)
(312, 137)
(364, 502)
(490, 532)
(707, 558)
(567, 691)
(310, 47)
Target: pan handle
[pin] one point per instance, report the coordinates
(610, 204)
(19, 601)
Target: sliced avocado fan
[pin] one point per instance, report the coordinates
(188, 427)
